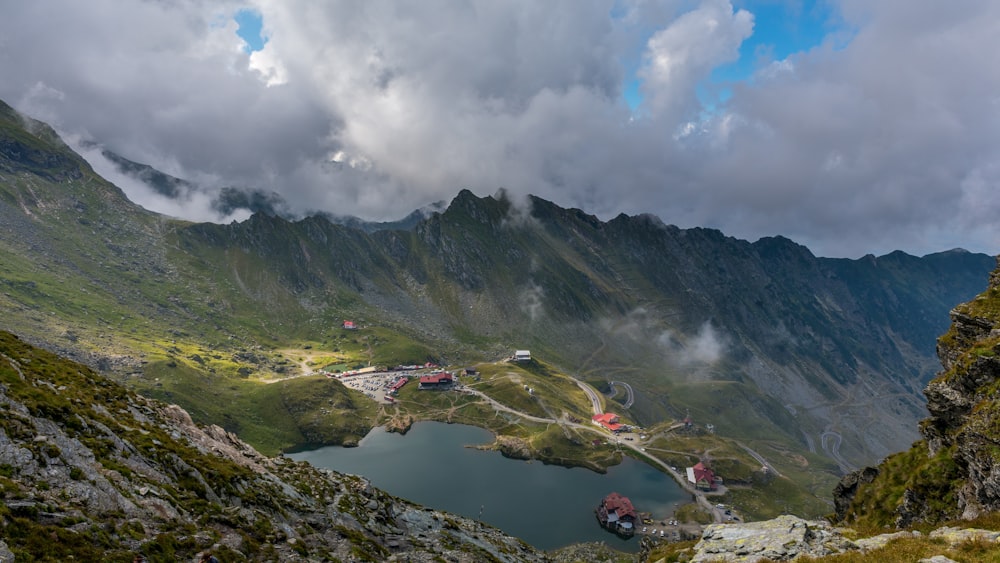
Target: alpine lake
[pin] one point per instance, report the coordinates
(547, 506)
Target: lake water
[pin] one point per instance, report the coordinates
(545, 505)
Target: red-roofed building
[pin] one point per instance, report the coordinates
(617, 514)
(701, 477)
(436, 380)
(607, 420)
(398, 385)
(349, 325)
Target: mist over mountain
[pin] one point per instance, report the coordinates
(762, 339)
(232, 202)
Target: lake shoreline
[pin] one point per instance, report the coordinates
(444, 466)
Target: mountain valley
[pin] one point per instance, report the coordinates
(817, 364)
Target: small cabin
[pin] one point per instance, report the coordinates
(522, 356)
(702, 478)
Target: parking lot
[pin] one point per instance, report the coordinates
(375, 385)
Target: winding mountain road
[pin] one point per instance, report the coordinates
(595, 398)
(502, 407)
(830, 442)
(760, 459)
(628, 391)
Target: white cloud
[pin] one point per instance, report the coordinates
(703, 348)
(886, 140)
(271, 70)
(686, 51)
(532, 302)
(191, 205)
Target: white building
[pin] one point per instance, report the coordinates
(522, 356)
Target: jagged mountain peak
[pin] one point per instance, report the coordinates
(486, 210)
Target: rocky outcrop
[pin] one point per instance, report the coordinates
(788, 537)
(954, 471)
(964, 382)
(963, 404)
(845, 490)
(780, 539)
(400, 423)
(512, 447)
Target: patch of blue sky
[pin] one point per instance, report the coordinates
(250, 23)
(781, 29)
(632, 94)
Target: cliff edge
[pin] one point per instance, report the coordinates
(953, 471)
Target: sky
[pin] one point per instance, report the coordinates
(850, 126)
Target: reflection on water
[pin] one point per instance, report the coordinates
(545, 505)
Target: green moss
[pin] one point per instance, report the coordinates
(362, 546)
(935, 479)
(31, 541)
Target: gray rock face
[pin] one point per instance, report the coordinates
(788, 537)
(962, 401)
(951, 399)
(780, 539)
(845, 490)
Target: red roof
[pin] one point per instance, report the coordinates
(620, 505)
(703, 473)
(436, 378)
(607, 420)
(399, 383)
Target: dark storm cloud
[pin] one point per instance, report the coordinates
(880, 139)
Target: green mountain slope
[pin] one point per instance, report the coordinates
(815, 363)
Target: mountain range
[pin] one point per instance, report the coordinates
(821, 360)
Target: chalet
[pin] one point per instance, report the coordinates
(616, 514)
(701, 477)
(436, 380)
(522, 356)
(349, 325)
(607, 420)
